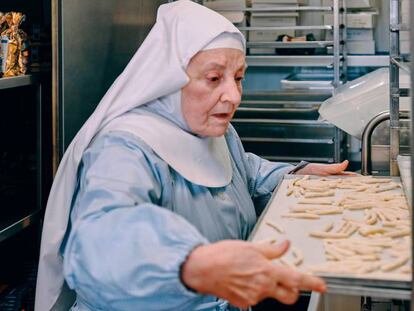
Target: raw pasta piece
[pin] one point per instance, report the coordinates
(395, 264)
(298, 256)
(275, 226)
(300, 215)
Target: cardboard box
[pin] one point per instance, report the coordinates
(405, 47)
(275, 2)
(354, 34)
(218, 5)
(360, 47)
(355, 20)
(357, 48)
(263, 20)
(404, 35)
(354, 4)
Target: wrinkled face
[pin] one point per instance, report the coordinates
(213, 93)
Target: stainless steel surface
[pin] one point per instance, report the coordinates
(290, 45)
(404, 165)
(388, 293)
(316, 60)
(270, 28)
(394, 87)
(12, 82)
(282, 9)
(380, 145)
(336, 51)
(327, 141)
(281, 130)
(95, 40)
(277, 113)
(366, 139)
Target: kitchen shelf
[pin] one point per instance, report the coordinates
(315, 60)
(13, 224)
(292, 159)
(280, 9)
(314, 123)
(24, 80)
(290, 45)
(290, 140)
(277, 28)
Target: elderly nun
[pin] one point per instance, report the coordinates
(154, 196)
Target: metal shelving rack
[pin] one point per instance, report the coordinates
(405, 165)
(13, 225)
(395, 65)
(337, 60)
(272, 121)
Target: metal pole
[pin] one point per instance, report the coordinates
(366, 168)
(412, 148)
(344, 74)
(394, 86)
(336, 62)
(39, 147)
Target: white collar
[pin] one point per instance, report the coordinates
(208, 164)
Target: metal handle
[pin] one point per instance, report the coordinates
(366, 138)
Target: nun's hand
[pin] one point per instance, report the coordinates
(326, 169)
(243, 273)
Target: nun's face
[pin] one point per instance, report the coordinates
(213, 93)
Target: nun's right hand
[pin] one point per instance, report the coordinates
(243, 273)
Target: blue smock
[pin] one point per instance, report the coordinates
(134, 220)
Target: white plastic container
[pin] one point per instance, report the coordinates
(357, 102)
(354, 4)
(355, 34)
(312, 81)
(355, 20)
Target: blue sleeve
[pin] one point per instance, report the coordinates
(262, 175)
(124, 251)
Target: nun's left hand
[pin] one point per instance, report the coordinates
(326, 169)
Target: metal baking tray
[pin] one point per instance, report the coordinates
(296, 230)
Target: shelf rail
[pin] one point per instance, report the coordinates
(412, 158)
(280, 9)
(394, 80)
